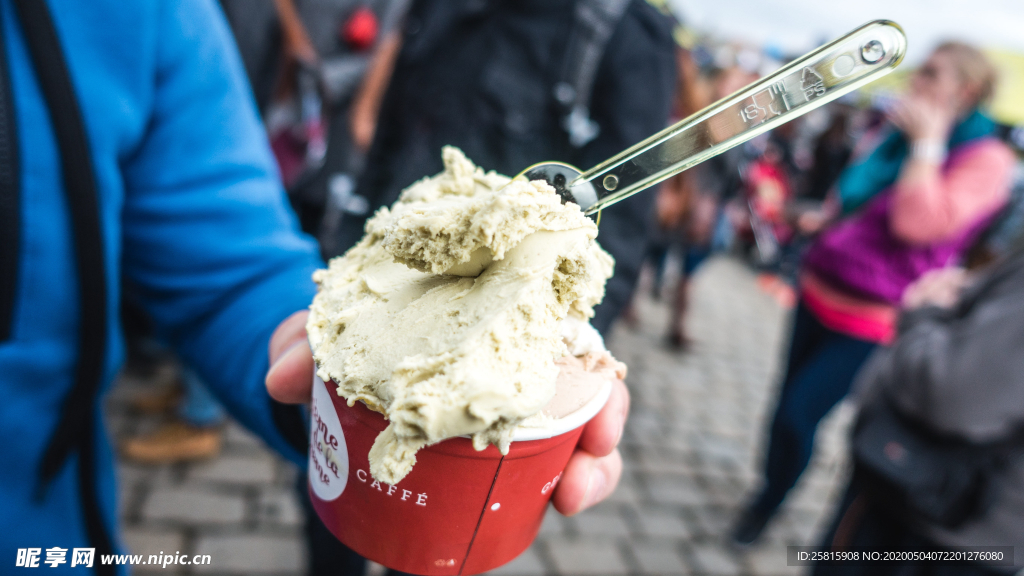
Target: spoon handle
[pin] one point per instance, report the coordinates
(819, 77)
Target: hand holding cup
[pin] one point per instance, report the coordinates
(593, 470)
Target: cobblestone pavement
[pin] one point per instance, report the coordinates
(691, 449)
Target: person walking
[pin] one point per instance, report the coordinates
(690, 204)
(914, 204)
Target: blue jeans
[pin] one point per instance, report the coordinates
(821, 367)
(199, 407)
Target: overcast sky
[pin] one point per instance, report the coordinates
(798, 25)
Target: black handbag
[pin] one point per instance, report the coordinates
(916, 474)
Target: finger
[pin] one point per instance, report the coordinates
(602, 433)
(287, 333)
(911, 297)
(930, 290)
(586, 481)
(290, 379)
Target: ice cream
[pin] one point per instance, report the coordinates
(448, 316)
(581, 372)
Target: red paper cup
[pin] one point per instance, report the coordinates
(458, 512)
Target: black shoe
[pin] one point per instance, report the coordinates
(678, 341)
(749, 527)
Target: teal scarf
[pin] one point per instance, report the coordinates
(862, 181)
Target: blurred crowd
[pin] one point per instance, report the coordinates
(890, 226)
(848, 214)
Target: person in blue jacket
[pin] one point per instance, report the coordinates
(189, 208)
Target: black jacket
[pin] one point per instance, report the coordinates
(480, 75)
(960, 372)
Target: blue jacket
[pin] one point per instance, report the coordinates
(192, 213)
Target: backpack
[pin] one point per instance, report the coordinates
(75, 431)
(913, 472)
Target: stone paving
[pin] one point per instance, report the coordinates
(691, 450)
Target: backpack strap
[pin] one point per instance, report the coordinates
(10, 214)
(75, 430)
(593, 24)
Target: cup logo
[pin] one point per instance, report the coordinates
(551, 485)
(328, 454)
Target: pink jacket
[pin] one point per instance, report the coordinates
(856, 272)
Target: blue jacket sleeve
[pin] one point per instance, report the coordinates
(209, 240)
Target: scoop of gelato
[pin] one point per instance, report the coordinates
(447, 316)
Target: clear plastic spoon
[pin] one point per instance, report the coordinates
(811, 81)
